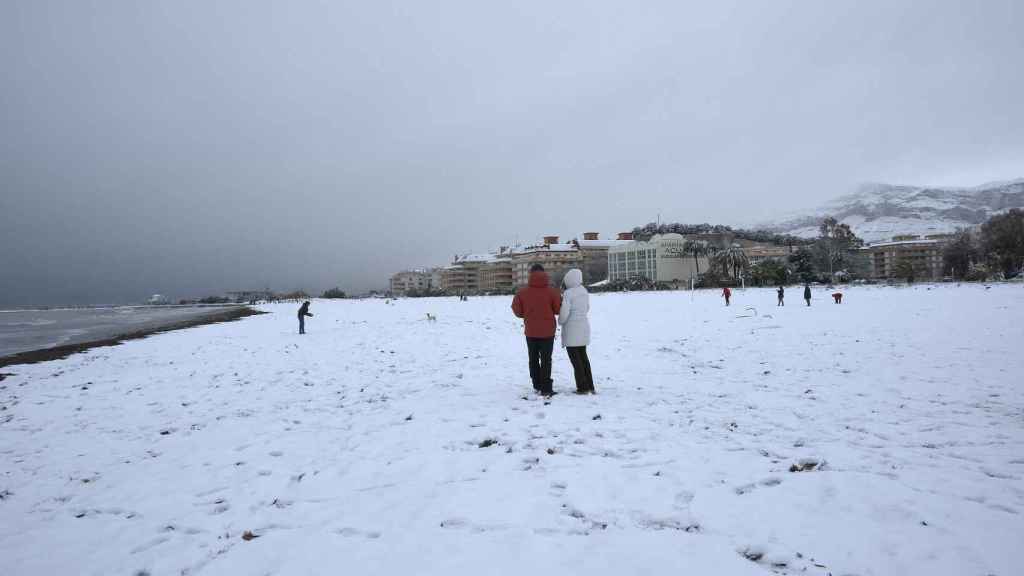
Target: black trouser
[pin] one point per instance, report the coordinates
(581, 368)
(540, 362)
(302, 325)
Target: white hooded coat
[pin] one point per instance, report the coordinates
(575, 306)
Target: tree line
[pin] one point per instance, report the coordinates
(994, 250)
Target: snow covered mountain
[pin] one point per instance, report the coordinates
(881, 211)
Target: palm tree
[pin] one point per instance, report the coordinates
(733, 259)
(698, 249)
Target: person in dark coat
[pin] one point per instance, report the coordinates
(807, 293)
(838, 297)
(538, 303)
(303, 312)
(781, 291)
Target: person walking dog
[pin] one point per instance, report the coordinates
(576, 329)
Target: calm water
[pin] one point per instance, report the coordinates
(27, 330)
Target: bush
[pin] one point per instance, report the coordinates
(978, 272)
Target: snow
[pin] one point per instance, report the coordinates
(356, 448)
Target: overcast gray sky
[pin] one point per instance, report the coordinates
(192, 147)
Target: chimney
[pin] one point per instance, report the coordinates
(549, 240)
(625, 235)
(590, 235)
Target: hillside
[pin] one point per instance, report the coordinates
(880, 211)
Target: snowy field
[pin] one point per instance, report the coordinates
(364, 447)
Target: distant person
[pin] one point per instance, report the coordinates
(537, 304)
(781, 291)
(726, 293)
(576, 329)
(807, 293)
(303, 312)
(838, 297)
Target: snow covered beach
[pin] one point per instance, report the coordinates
(383, 443)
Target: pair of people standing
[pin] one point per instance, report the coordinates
(538, 304)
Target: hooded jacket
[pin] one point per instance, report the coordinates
(537, 303)
(575, 306)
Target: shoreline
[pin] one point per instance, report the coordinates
(60, 352)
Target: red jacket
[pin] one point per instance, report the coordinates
(537, 304)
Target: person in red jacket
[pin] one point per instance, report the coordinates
(726, 293)
(538, 303)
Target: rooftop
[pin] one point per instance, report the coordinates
(902, 243)
(601, 243)
(545, 248)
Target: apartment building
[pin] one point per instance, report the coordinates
(555, 257)
(925, 254)
(459, 279)
(418, 280)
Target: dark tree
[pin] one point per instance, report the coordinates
(960, 254)
(769, 272)
(802, 263)
(835, 246)
(1002, 240)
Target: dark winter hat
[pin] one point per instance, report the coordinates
(536, 268)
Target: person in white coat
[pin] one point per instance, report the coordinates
(576, 329)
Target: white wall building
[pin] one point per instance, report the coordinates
(661, 259)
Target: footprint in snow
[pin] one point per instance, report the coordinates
(355, 532)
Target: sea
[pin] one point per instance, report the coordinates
(30, 329)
